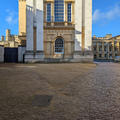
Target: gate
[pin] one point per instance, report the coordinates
(10, 55)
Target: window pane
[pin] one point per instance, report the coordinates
(59, 10)
(48, 12)
(69, 12)
(59, 45)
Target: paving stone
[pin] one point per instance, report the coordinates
(60, 91)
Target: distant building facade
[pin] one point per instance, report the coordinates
(10, 40)
(106, 48)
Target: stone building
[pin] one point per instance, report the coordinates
(10, 40)
(56, 30)
(106, 48)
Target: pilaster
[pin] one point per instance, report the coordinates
(66, 17)
(97, 49)
(113, 50)
(87, 20)
(29, 12)
(78, 25)
(103, 55)
(40, 21)
(108, 50)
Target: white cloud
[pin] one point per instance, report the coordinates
(11, 17)
(111, 14)
(96, 15)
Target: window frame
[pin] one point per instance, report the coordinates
(62, 48)
(48, 19)
(59, 11)
(69, 12)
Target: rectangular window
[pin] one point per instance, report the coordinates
(49, 12)
(59, 10)
(69, 12)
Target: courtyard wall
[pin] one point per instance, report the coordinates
(1, 53)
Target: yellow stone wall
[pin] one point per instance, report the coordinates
(22, 17)
(53, 30)
(50, 35)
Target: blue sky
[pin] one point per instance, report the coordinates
(106, 17)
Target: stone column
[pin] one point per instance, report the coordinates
(97, 50)
(108, 50)
(83, 24)
(118, 52)
(88, 25)
(83, 30)
(78, 25)
(103, 55)
(113, 49)
(65, 12)
(52, 13)
(73, 12)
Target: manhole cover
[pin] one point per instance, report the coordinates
(42, 100)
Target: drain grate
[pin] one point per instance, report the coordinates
(42, 100)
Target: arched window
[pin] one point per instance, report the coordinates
(59, 45)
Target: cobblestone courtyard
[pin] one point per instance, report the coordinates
(75, 91)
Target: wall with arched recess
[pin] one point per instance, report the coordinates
(50, 36)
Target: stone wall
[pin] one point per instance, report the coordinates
(21, 52)
(22, 17)
(49, 43)
(88, 25)
(1, 54)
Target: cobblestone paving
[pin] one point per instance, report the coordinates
(78, 91)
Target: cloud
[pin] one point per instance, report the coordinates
(11, 17)
(111, 14)
(96, 15)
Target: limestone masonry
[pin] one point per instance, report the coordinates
(106, 48)
(56, 30)
(10, 40)
(53, 31)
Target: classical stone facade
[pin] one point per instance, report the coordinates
(106, 48)
(56, 30)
